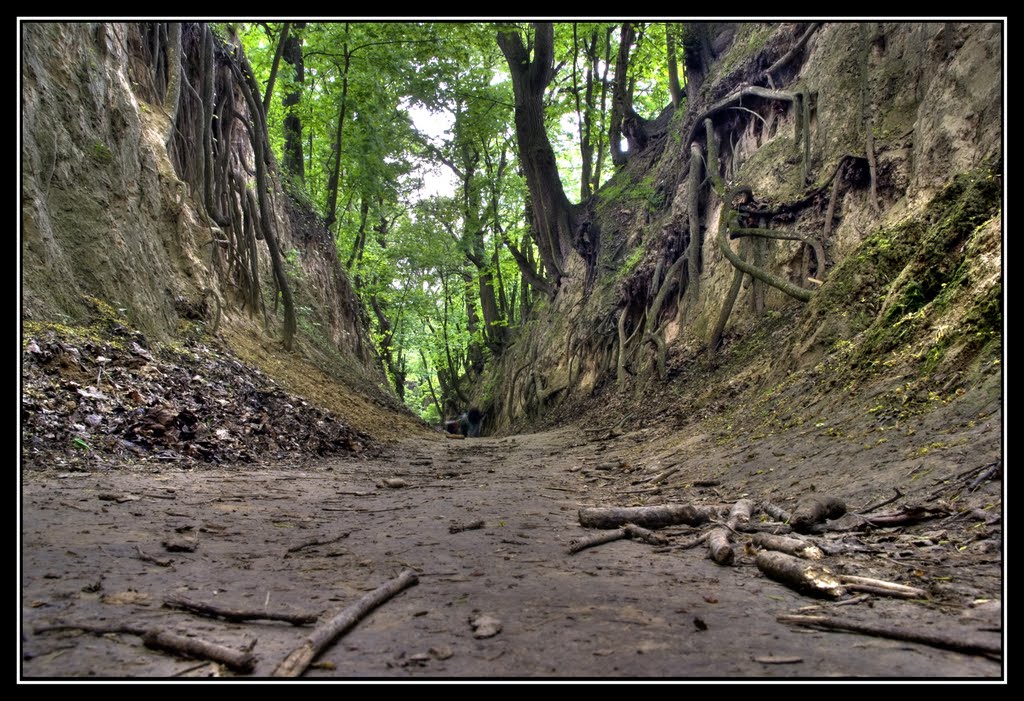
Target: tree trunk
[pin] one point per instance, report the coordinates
(602, 131)
(360, 243)
(475, 352)
(294, 163)
(332, 183)
(554, 216)
(274, 66)
(259, 139)
(619, 95)
(675, 89)
(584, 114)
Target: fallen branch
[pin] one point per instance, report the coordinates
(238, 660)
(694, 542)
(882, 587)
(994, 469)
(880, 504)
(801, 575)
(958, 643)
(597, 539)
(790, 546)
(649, 516)
(213, 611)
(241, 661)
(97, 628)
(635, 532)
(322, 636)
(630, 530)
(315, 542)
(906, 516)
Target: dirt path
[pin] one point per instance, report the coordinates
(623, 609)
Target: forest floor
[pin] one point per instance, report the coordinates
(155, 475)
(486, 524)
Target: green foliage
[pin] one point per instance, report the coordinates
(102, 153)
(420, 262)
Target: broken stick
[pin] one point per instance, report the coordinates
(739, 514)
(958, 643)
(790, 546)
(806, 577)
(719, 547)
(315, 542)
(882, 587)
(241, 661)
(628, 531)
(597, 539)
(776, 512)
(238, 660)
(211, 611)
(322, 636)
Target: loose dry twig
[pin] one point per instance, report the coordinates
(959, 643)
(882, 587)
(213, 611)
(315, 542)
(300, 658)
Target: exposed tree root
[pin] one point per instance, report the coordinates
(791, 54)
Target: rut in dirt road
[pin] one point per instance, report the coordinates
(501, 599)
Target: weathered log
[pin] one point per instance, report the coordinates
(238, 660)
(801, 575)
(322, 636)
(647, 516)
(816, 510)
(212, 611)
(790, 546)
(739, 514)
(960, 642)
(719, 547)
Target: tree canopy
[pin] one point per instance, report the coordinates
(403, 136)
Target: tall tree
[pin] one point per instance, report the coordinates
(674, 87)
(294, 162)
(555, 216)
(620, 94)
